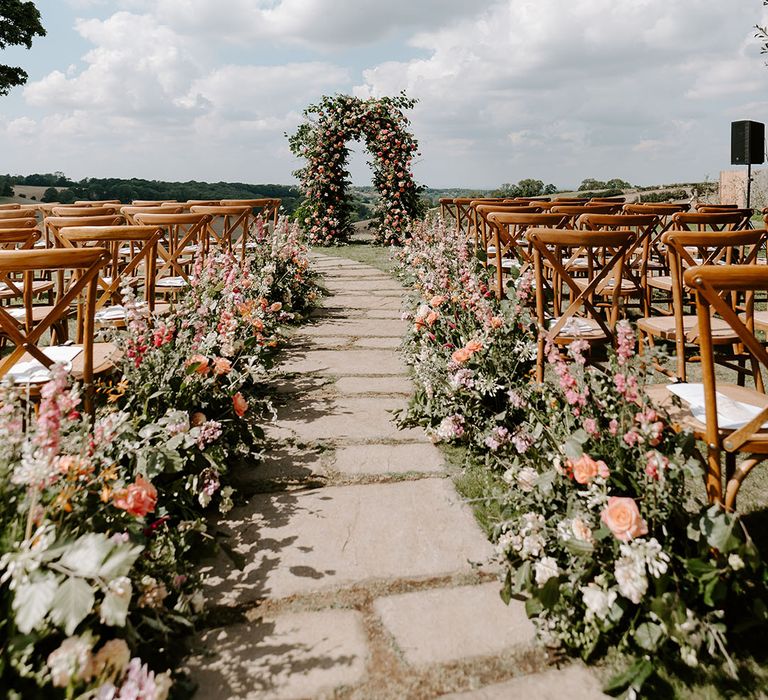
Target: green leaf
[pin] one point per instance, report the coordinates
(633, 677)
(119, 561)
(533, 607)
(32, 602)
(85, 555)
(73, 601)
(579, 547)
(648, 635)
(549, 593)
(114, 609)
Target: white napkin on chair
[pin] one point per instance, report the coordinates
(32, 371)
(731, 414)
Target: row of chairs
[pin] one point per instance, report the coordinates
(693, 279)
(73, 264)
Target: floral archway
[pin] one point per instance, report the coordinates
(322, 140)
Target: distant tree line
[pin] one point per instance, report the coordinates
(527, 187)
(615, 184)
(62, 189)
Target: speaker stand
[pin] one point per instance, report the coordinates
(749, 183)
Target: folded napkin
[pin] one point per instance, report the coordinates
(574, 326)
(171, 282)
(731, 414)
(32, 371)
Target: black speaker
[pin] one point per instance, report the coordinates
(747, 142)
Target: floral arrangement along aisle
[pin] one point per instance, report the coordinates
(103, 523)
(591, 489)
(322, 141)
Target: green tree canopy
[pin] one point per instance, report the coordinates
(19, 24)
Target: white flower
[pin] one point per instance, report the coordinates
(71, 661)
(688, 655)
(630, 575)
(735, 562)
(581, 531)
(597, 601)
(526, 479)
(545, 569)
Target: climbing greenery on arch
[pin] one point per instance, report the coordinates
(322, 140)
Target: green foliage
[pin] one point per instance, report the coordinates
(19, 24)
(614, 184)
(527, 187)
(664, 196)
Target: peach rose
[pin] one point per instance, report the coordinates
(201, 361)
(496, 322)
(474, 346)
(461, 355)
(585, 469)
(240, 404)
(277, 306)
(221, 365)
(623, 519)
(436, 300)
(138, 498)
(432, 316)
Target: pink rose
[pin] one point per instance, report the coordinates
(138, 498)
(623, 519)
(201, 362)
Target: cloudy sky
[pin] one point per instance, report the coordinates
(558, 90)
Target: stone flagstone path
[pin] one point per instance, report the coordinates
(363, 571)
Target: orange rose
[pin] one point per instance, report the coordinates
(435, 301)
(201, 361)
(623, 519)
(240, 404)
(473, 346)
(221, 365)
(585, 469)
(496, 322)
(276, 307)
(138, 498)
(432, 317)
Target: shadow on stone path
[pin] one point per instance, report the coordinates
(363, 572)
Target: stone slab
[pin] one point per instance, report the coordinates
(572, 682)
(372, 286)
(383, 313)
(373, 385)
(388, 459)
(292, 656)
(356, 272)
(305, 541)
(364, 301)
(359, 327)
(389, 343)
(449, 624)
(347, 363)
(312, 418)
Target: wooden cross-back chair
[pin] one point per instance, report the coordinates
(184, 237)
(606, 252)
(129, 212)
(726, 436)
(227, 225)
(746, 214)
(448, 211)
(574, 211)
(54, 224)
(688, 249)
(508, 238)
(268, 208)
(481, 233)
(11, 287)
(644, 226)
(27, 337)
(120, 269)
(662, 284)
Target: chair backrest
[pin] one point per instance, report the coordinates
(267, 207)
(152, 202)
(95, 202)
(571, 200)
(181, 231)
(227, 223)
(9, 206)
(605, 253)
(574, 211)
(659, 208)
(480, 211)
(128, 247)
(22, 238)
(18, 213)
(713, 221)
(607, 200)
(26, 336)
(86, 211)
(54, 224)
(746, 214)
(22, 222)
(129, 212)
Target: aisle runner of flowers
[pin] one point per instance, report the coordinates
(594, 520)
(103, 524)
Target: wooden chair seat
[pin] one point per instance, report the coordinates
(38, 287)
(683, 418)
(664, 327)
(105, 358)
(627, 286)
(579, 328)
(662, 282)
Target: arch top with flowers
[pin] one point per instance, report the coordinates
(322, 140)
